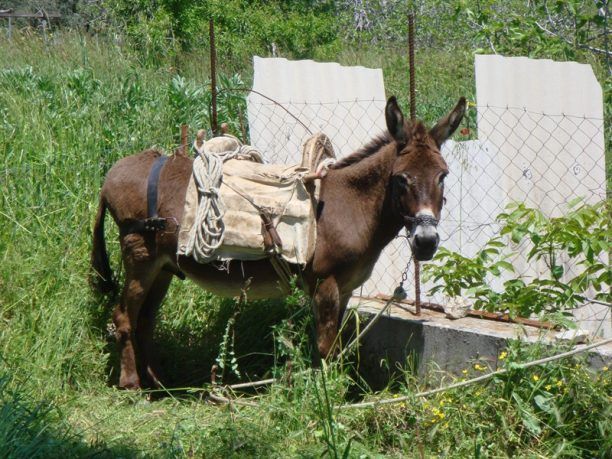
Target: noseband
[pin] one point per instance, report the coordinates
(423, 220)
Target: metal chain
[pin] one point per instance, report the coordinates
(400, 293)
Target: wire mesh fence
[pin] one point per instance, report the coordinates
(544, 160)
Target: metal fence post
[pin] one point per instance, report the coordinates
(411, 66)
(213, 78)
(417, 268)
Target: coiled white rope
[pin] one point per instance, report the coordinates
(207, 235)
(208, 231)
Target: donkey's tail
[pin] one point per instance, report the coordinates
(101, 276)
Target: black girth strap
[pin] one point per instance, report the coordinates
(153, 222)
(152, 186)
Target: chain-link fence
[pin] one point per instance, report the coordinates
(512, 155)
(280, 129)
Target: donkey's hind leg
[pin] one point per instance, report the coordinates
(146, 327)
(140, 273)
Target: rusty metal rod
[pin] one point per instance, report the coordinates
(411, 66)
(417, 267)
(184, 138)
(417, 287)
(496, 316)
(213, 78)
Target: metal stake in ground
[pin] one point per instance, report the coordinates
(411, 66)
(213, 78)
(417, 268)
(184, 138)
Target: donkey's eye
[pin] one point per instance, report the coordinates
(441, 180)
(409, 180)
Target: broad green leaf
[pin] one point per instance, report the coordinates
(545, 403)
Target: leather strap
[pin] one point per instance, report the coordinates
(153, 223)
(152, 183)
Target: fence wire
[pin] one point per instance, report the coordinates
(512, 155)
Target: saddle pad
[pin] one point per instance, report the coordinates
(278, 189)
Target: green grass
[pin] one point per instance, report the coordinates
(70, 110)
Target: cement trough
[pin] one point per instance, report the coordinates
(432, 340)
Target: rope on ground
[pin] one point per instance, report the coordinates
(228, 401)
(391, 401)
(246, 385)
(367, 328)
(522, 366)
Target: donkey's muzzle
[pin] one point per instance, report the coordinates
(424, 241)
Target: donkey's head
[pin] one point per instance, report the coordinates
(417, 183)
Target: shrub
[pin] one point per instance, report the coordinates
(581, 235)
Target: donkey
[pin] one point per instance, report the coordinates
(395, 181)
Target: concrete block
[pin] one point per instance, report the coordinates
(401, 340)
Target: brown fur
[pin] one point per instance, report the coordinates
(369, 149)
(360, 212)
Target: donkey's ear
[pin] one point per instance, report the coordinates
(447, 125)
(395, 120)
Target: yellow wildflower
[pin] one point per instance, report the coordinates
(479, 367)
(536, 378)
(604, 369)
(559, 383)
(503, 355)
(548, 386)
(465, 372)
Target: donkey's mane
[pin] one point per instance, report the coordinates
(364, 152)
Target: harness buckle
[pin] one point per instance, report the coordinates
(174, 228)
(154, 224)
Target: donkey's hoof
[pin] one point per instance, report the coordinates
(130, 383)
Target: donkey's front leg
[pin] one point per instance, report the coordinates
(327, 314)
